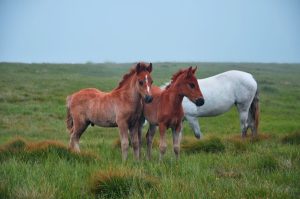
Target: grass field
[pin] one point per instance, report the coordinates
(34, 161)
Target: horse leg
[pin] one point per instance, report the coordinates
(243, 110)
(194, 124)
(135, 141)
(123, 133)
(149, 136)
(78, 128)
(162, 141)
(176, 140)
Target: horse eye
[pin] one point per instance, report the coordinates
(192, 85)
(141, 82)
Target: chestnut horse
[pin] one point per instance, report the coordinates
(122, 108)
(166, 110)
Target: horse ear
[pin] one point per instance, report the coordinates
(189, 72)
(194, 70)
(138, 68)
(149, 68)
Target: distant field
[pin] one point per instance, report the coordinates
(32, 106)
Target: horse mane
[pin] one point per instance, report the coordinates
(131, 73)
(175, 77)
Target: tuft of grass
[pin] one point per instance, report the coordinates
(293, 138)
(121, 184)
(39, 151)
(259, 137)
(15, 145)
(267, 163)
(210, 145)
(44, 149)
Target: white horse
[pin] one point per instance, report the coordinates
(220, 93)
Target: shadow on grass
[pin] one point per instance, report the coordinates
(223, 173)
(39, 151)
(267, 163)
(117, 143)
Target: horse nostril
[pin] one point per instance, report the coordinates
(199, 102)
(148, 98)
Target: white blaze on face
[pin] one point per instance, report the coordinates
(148, 88)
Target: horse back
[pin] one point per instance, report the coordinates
(94, 106)
(84, 96)
(243, 84)
(232, 82)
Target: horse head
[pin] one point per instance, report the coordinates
(144, 81)
(189, 87)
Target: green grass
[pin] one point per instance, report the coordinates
(35, 161)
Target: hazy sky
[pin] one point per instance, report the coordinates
(156, 30)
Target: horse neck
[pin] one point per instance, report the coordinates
(129, 90)
(174, 97)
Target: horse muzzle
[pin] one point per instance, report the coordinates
(148, 99)
(199, 101)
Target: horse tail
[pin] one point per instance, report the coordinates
(69, 119)
(255, 112)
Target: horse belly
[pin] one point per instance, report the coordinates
(104, 117)
(211, 107)
(105, 123)
(210, 112)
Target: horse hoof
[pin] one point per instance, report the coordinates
(198, 136)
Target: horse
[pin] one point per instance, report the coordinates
(221, 92)
(166, 110)
(122, 108)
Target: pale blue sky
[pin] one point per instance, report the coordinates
(157, 30)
